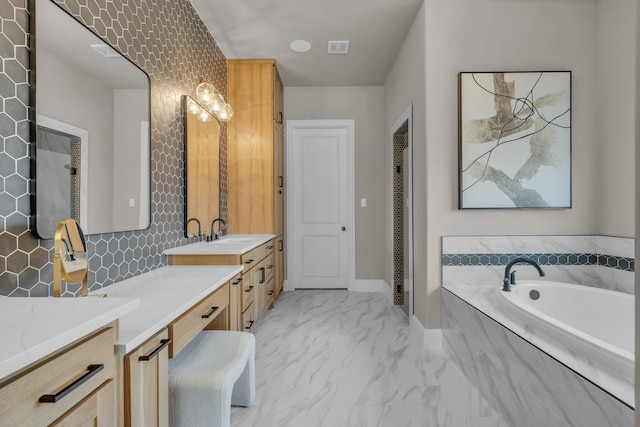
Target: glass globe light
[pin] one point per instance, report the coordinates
(205, 93)
(225, 113)
(217, 103)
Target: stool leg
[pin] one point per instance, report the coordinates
(244, 389)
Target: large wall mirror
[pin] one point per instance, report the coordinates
(202, 147)
(90, 129)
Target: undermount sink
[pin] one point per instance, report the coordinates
(232, 240)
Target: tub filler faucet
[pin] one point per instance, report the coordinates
(510, 276)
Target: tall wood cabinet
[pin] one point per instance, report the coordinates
(256, 179)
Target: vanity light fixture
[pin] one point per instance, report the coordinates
(212, 99)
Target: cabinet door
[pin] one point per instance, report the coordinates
(235, 304)
(278, 185)
(250, 147)
(96, 410)
(278, 255)
(278, 98)
(146, 388)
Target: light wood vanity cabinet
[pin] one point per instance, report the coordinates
(146, 368)
(250, 293)
(145, 383)
(74, 387)
(256, 155)
(256, 148)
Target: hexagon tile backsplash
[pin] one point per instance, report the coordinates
(167, 39)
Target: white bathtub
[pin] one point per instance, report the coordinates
(590, 323)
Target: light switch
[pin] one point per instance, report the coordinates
(363, 203)
(132, 203)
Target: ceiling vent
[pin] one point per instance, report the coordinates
(339, 47)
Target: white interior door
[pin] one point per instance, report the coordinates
(320, 182)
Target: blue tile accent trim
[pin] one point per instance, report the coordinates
(619, 263)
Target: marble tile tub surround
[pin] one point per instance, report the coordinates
(600, 261)
(527, 386)
(169, 41)
(337, 358)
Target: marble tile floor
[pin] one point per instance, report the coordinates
(337, 358)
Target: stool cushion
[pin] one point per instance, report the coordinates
(214, 371)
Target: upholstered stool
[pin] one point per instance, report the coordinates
(214, 371)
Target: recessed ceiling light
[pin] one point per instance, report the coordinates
(338, 47)
(300, 46)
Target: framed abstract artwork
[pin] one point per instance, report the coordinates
(515, 140)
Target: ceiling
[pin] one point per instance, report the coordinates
(376, 30)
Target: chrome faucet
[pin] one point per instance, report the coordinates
(199, 227)
(510, 277)
(221, 229)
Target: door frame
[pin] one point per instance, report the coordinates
(292, 232)
(406, 116)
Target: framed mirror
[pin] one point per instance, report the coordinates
(90, 129)
(202, 152)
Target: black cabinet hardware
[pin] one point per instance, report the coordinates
(53, 398)
(209, 314)
(248, 328)
(154, 353)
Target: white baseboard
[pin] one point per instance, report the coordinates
(387, 292)
(368, 285)
(431, 338)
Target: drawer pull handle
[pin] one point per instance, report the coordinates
(249, 262)
(209, 314)
(270, 293)
(249, 289)
(237, 282)
(281, 242)
(53, 398)
(269, 267)
(262, 274)
(270, 247)
(248, 328)
(154, 353)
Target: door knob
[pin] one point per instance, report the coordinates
(344, 228)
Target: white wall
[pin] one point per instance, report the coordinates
(616, 112)
(364, 104)
(494, 35)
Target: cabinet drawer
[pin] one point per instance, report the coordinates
(267, 296)
(261, 251)
(187, 326)
(248, 320)
(247, 291)
(63, 381)
(248, 261)
(269, 266)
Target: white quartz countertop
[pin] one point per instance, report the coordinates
(34, 328)
(234, 244)
(165, 294)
